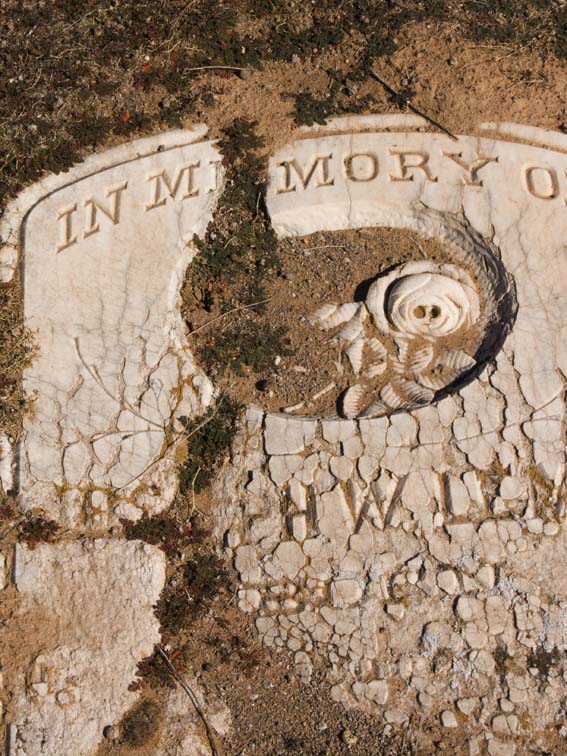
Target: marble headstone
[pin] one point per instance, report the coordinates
(103, 251)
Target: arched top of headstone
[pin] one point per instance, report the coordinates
(103, 250)
(122, 154)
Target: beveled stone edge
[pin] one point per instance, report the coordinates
(533, 135)
(380, 121)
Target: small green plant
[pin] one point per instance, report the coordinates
(309, 110)
(240, 238)
(36, 530)
(236, 348)
(227, 275)
(208, 437)
(141, 724)
(190, 592)
(164, 531)
(543, 661)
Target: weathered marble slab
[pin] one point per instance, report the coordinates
(514, 195)
(418, 549)
(87, 610)
(103, 250)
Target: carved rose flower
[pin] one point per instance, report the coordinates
(423, 299)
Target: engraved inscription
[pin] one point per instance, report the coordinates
(361, 166)
(541, 182)
(471, 168)
(65, 216)
(318, 169)
(187, 181)
(93, 207)
(162, 180)
(407, 162)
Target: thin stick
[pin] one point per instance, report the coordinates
(194, 507)
(193, 699)
(176, 436)
(225, 68)
(410, 105)
(327, 246)
(228, 312)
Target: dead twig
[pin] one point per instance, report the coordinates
(413, 107)
(176, 436)
(228, 312)
(326, 246)
(193, 505)
(194, 701)
(224, 68)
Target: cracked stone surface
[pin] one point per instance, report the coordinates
(104, 249)
(79, 659)
(417, 552)
(415, 543)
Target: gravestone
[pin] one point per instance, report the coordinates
(85, 658)
(412, 539)
(103, 250)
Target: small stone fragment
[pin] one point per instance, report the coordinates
(349, 738)
(505, 724)
(535, 525)
(448, 582)
(290, 558)
(448, 719)
(284, 435)
(485, 576)
(352, 448)
(467, 705)
(396, 611)
(298, 494)
(500, 748)
(395, 716)
(550, 528)
(472, 747)
(299, 527)
(471, 481)
(511, 488)
(458, 498)
(345, 592)
(378, 691)
(341, 467)
(246, 563)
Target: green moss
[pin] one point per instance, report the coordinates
(163, 531)
(236, 348)
(36, 530)
(209, 436)
(140, 725)
(190, 592)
